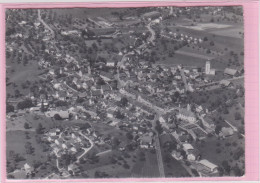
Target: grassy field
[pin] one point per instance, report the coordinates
(221, 41)
(16, 142)
(229, 32)
(207, 98)
(18, 74)
(105, 129)
(227, 147)
(218, 49)
(172, 167)
(147, 168)
(207, 26)
(86, 12)
(236, 108)
(33, 120)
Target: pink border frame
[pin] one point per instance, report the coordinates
(251, 19)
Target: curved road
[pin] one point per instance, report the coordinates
(45, 25)
(86, 150)
(151, 39)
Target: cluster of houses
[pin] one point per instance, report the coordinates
(67, 141)
(186, 37)
(23, 173)
(188, 152)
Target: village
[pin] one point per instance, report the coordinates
(158, 106)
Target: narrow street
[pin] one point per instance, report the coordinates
(184, 80)
(86, 150)
(45, 25)
(158, 148)
(151, 39)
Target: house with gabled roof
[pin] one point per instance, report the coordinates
(186, 115)
(146, 141)
(230, 71)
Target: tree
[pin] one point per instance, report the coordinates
(100, 81)
(85, 126)
(237, 171)
(17, 93)
(94, 46)
(212, 43)
(126, 166)
(39, 129)
(239, 152)
(42, 107)
(67, 159)
(26, 125)
(226, 166)
(158, 127)
(129, 147)
(221, 171)
(9, 108)
(57, 117)
(61, 103)
(129, 135)
(36, 164)
(141, 156)
(218, 129)
(237, 116)
(118, 115)
(28, 147)
(171, 53)
(123, 102)
(27, 103)
(115, 142)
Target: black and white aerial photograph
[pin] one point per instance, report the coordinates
(147, 92)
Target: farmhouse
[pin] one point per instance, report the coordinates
(111, 63)
(187, 147)
(231, 72)
(226, 131)
(208, 166)
(224, 83)
(208, 122)
(73, 169)
(146, 141)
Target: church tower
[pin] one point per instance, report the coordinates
(207, 67)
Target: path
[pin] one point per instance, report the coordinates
(233, 127)
(151, 39)
(45, 25)
(86, 150)
(104, 152)
(158, 148)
